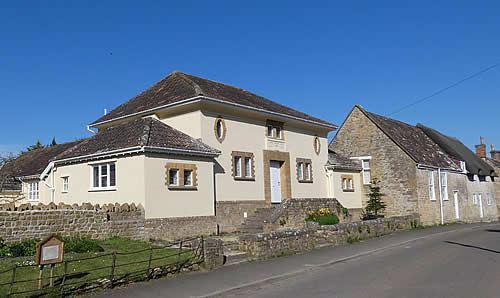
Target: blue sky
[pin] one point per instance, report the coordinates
(63, 62)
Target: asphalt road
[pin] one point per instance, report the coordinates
(451, 261)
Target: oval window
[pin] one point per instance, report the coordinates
(317, 145)
(220, 129)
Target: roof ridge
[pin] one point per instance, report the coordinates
(197, 89)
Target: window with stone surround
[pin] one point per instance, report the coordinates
(181, 176)
(243, 165)
(220, 129)
(317, 145)
(274, 129)
(347, 183)
(304, 170)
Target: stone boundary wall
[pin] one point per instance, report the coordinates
(37, 221)
(230, 214)
(179, 227)
(291, 213)
(290, 241)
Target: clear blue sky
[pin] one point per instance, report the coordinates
(63, 62)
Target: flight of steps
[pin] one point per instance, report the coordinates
(255, 222)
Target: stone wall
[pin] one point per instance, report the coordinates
(180, 227)
(291, 213)
(395, 170)
(86, 220)
(230, 214)
(290, 241)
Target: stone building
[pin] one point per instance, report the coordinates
(493, 161)
(441, 182)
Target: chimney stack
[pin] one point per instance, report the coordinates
(495, 154)
(481, 149)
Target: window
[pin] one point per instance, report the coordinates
(488, 198)
(317, 145)
(65, 187)
(188, 177)
(304, 170)
(432, 190)
(243, 165)
(220, 129)
(104, 176)
(462, 166)
(173, 175)
(181, 176)
(274, 129)
(34, 191)
(444, 186)
(347, 183)
(474, 198)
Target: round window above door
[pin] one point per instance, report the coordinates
(220, 129)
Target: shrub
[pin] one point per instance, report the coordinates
(323, 216)
(19, 249)
(81, 245)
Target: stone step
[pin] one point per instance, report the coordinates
(236, 258)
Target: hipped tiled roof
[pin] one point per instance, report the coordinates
(413, 141)
(341, 163)
(34, 162)
(145, 132)
(178, 86)
(457, 150)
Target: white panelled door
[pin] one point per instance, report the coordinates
(275, 181)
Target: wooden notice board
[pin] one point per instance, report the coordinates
(50, 250)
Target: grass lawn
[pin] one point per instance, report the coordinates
(132, 260)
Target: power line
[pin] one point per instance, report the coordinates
(446, 88)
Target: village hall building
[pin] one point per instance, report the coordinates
(186, 147)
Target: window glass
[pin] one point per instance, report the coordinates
(104, 175)
(269, 130)
(188, 177)
(248, 167)
(96, 176)
(237, 166)
(65, 184)
(301, 171)
(344, 183)
(112, 175)
(308, 171)
(278, 132)
(350, 184)
(173, 175)
(219, 128)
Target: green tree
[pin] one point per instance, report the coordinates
(36, 146)
(375, 203)
(53, 143)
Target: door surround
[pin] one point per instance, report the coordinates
(284, 158)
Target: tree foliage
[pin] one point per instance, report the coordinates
(37, 145)
(375, 203)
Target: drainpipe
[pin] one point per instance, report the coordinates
(440, 197)
(88, 128)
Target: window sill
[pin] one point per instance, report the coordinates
(305, 181)
(348, 190)
(102, 189)
(28, 200)
(64, 191)
(276, 139)
(176, 187)
(244, 178)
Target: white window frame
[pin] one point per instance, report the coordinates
(444, 186)
(34, 191)
(65, 184)
(488, 198)
(301, 171)
(432, 187)
(365, 170)
(99, 187)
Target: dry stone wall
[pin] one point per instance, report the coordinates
(290, 241)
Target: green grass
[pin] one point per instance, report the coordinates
(95, 265)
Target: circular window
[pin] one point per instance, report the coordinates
(317, 145)
(220, 129)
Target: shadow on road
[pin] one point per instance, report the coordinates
(473, 246)
(493, 230)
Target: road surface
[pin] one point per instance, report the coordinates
(450, 261)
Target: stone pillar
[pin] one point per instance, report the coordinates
(495, 154)
(213, 250)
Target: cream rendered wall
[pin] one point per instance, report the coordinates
(129, 183)
(347, 199)
(189, 122)
(245, 131)
(162, 202)
(300, 145)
